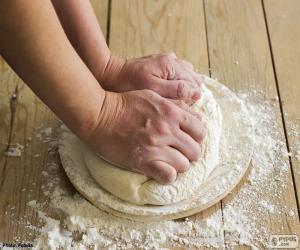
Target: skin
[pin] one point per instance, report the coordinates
(163, 73)
(63, 64)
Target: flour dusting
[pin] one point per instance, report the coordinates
(244, 218)
(15, 150)
(141, 189)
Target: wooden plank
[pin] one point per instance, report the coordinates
(240, 57)
(6, 92)
(9, 82)
(21, 177)
(139, 28)
(283, 23)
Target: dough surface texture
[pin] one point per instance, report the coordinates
(139, 189)
(237, 133)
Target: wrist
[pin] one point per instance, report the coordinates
(110, 113)
(110, 76)
(86, 114)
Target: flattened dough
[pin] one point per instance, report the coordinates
(139, 189)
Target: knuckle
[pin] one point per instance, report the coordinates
(171, 55)
(167, 63)
(182, 90)
(170, 110)
(150, 139)
(162, 128)
(165, 59)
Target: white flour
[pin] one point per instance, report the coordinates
(143, 190)
(15, 151)
(245, 214)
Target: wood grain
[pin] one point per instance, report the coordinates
(284, 29)
(240, 57)
(140, 28)
(236, 32)
(21, 178)
(101, 9)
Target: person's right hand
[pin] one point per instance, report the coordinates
(144, 132)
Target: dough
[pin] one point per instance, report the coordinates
(237, 133)
(139, 189)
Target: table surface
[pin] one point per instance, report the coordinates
(243, 43)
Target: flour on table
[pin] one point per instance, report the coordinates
(246, 222)
(142, 190)
(237, 133)
(15, 151)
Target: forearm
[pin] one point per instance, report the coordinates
(81, 26)
(34, 44)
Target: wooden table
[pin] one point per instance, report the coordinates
(244, 43)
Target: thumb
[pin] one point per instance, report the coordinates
(176, 89)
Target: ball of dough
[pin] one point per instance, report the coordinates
(139, 189)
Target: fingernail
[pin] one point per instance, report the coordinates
(195, 95)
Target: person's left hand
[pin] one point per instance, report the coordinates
(163, 73)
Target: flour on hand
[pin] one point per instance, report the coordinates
(139, 189)
(220, 169)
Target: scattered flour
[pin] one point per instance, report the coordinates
(294, 132)
(244, 218)
(15, 151)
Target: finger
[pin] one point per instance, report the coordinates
(192, 126)
(160, 171)
(176, 159)
(181, 104)
(187, 145)
(182, 73)
(192, 83)
(186, 72)
(186, 64)
(174, 89)
(190, 69)
(171, 55)
(197, 78)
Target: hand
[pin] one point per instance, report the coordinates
(147, 133)
(164, 73)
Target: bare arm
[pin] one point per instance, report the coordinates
(81, 26)
(142, 131)
(164, 73)
(32, 41)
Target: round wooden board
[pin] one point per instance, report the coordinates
(236, 153)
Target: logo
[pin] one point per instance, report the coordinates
(283, 241)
